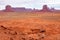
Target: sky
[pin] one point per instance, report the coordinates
(30, 3)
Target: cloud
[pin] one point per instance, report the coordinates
(30, 3)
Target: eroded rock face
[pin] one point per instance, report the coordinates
(12, 33)
(8, 9)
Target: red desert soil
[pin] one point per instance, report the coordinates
(29, 26)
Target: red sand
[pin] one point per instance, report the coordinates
(30, 28)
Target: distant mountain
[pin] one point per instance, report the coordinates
(45, 8)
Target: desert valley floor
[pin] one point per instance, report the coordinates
(29, 26)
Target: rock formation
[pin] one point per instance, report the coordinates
(45, 8)
(8, 8)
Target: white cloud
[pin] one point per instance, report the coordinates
(29, 3)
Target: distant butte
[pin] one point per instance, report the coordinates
(45, 8)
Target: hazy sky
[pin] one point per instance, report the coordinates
(30, 3)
